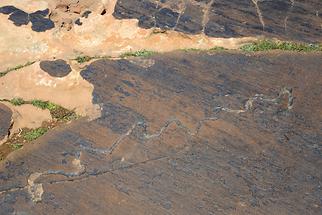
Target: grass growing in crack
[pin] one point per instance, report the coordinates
(191, 49)
(84, 59)
(16, 146)
(44, 105)
(142, 53)
(57, 112)
(266, 45)
(16, 68)
(34, 134)
(217, 48)
(17, 101)
(62, 114)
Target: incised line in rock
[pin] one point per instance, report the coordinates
(36, 189)
(288, 12)
(205, 18)
(259, 13)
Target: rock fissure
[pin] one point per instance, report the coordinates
(259, 13)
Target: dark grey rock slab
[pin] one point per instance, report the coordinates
(39, 20)
(56, 68)
(5, 121)
(197, 133)
(285, 19)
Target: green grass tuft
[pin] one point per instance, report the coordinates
(16, 146)
(16, 68)
(191, 50)
(84, 59)
(142, 53)
(34, 134)
(44, 105)
(56, 111)
(266, 45)
(217, 48)
(17, 101)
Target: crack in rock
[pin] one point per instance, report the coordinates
(259, 13)
(107, 171)
(205, 18)
(180, 125)
(36, 190)
(146, 136)
(288, 13)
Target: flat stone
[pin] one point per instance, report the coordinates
(57, 68)
(166, 18)
(5, 121)
(299, 21)
(8, 9)
(191, 20)
(38, 19)
(19, 17)
(197, 133)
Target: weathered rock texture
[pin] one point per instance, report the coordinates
(291, 19)
(198, 133)
(5, 122)
(19, 17)
(178, 133)
(78, 32)
(56, 68)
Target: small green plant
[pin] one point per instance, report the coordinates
(34, 134)
(159, 31)
(191, 50)
(20, 66)
(217, 48)
(266, 45)
(44, 105)
(3, 74)
(142, 53)
(84, 59)
(17, 101)
(16, 146)
(70, 116)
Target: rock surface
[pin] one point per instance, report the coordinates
(57, 68)
(5, 121)
(38, 19)
(297, 20)
(193, 133)
(184, 132)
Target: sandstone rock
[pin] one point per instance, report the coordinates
(57, 68)
(185, 132)
(5, 122)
